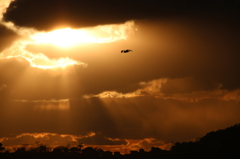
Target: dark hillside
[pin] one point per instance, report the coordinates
(223, 143)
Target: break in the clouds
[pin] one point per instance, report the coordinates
(49, 14)
(15, 39)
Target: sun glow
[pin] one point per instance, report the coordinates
(62, 38)
(38, 60)
(99, 34)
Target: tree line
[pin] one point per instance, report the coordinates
(223, 143)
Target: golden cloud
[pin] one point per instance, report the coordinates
(154, 88)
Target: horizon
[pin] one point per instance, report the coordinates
(213, 139)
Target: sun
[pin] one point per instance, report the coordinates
(64, 37)
(99, 34)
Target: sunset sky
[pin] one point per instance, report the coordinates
(64, 80)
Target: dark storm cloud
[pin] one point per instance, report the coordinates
(46, 14)
(7, 37)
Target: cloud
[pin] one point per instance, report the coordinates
(151, 88)
(17, 50)
(60, 104)
(3, 7)
(185, 89)
(100, 139)
(7, 37)
(147, 143)
(73, 13)
(233, 96)
(156, 111)
(46, 14)
(168, 119)
(52, 139)
(61, 38)
(30, 140)
(14, 42)
(55, 139)
(14, 45)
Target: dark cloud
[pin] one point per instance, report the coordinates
(47, 14)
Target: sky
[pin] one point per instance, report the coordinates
(64, 80)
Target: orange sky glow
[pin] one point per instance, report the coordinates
(71, 85)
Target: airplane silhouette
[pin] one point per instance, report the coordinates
(125, 51)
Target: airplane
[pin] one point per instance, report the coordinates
(125, 51)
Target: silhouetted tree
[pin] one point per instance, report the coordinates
(43, 149)
(74, 149)
(60, 149)
(92, 153)
(80, 146)
(1, 147)
(21, 150)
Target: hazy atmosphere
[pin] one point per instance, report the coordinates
(64, 80)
